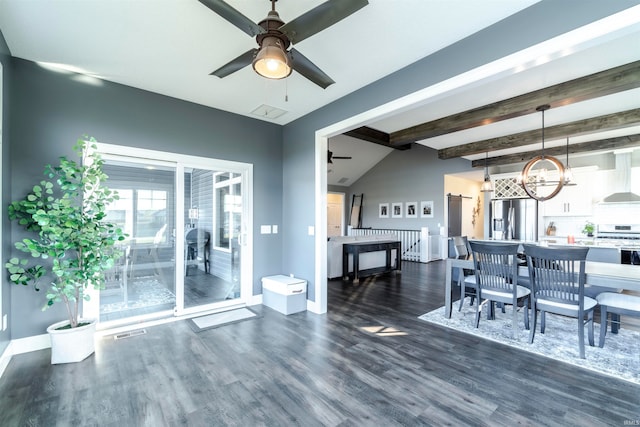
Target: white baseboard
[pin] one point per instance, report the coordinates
(34, 343)
(23, 345)
(256, 300)
(314, 308)
(5, 358)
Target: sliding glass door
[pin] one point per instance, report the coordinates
(212, 233)
(186, 220)
(144, 280)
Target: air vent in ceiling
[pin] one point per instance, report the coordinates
(268, 112)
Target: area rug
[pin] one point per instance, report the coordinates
(216, 320)
(620, 356)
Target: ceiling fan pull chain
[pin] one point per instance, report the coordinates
(286, 91)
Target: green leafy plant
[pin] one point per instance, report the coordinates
(67, 211)
(589, 228)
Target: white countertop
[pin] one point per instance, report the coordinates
(561, 241)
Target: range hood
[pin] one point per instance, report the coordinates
(622, 177)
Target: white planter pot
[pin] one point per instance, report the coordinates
(71, 345)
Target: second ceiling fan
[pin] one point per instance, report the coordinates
(330, 157)
(273, 59)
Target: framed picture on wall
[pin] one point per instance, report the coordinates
(383, 210)
(411, 210)
(426, 209)
(396, 210)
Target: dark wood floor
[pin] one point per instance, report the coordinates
(346, 368)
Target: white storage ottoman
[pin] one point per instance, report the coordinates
(285, 294)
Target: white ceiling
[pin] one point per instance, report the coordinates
(171, 46)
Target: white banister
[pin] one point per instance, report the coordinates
(416, 245)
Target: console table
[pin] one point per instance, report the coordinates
(357, 248)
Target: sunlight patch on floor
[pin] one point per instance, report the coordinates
(384, 331)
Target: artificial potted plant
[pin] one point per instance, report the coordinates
(67, 213)
(588, 228)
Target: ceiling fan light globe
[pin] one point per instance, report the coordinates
(272, 61)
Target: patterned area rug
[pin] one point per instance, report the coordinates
(620, 356)
(144, 292)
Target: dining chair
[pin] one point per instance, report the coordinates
(557, 279)
(496, 271)
(466, 278)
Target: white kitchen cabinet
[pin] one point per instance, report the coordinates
(573, 200)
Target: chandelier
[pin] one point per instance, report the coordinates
(543, 176)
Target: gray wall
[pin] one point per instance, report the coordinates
(535, 24)
(413, 175)
(5, 288)
(50, 111)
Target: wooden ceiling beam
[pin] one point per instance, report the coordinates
(607, 82)
(619, 142)
(580, 127)
(366, 133)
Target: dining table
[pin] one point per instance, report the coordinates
(603, 274)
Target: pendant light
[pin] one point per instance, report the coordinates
(537, 177)
(568, 175)
(487, 185)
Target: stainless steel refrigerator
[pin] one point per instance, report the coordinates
(514, 219)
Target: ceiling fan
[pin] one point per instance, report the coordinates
(330, 157)
(272, 59)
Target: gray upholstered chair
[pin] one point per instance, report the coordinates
(557, 280)
(616, 304)
(496, 268)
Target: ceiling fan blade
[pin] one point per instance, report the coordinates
(309, 70)
(330, 157)
(236, 64)
(319, 18)
(234, 17)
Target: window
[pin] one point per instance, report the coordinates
(141, 213)
(228, 208)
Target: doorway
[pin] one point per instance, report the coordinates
(454, 215)
(335, 214)
(188, 249)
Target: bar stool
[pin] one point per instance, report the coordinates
(616, 304)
